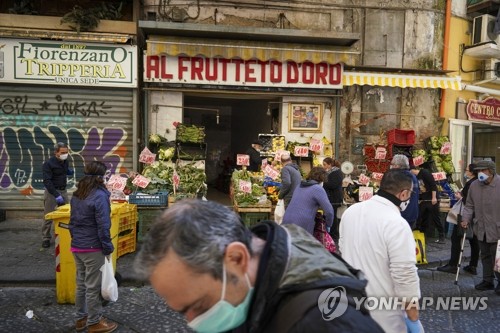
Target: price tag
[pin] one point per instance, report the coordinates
(418, 160)
(242, 159)
(141, 181)
(380, 153)
(316, 145)
(271, 172)
(146, 156)
(176, 180)
(245, 186)
(363, 179)
(439, 175)
(263, 163)
(301, 151)
(377, 175)
(445, 148)
(365, 193)
(116, 182)
(279, 153)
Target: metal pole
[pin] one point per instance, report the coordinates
(461, 253)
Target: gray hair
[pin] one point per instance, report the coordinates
(59, 145)
(197, 231)
(401, 161)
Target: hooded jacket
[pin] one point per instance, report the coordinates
(293, 262)
(90, 222)
(290, 179)
(307, 198)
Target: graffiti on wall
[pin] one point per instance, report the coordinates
(23, 151)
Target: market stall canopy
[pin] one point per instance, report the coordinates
(249, 49)
(401, 80)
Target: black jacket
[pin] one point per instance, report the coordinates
(292, 263)
(255, 159)
(333, 187)
(55, 173)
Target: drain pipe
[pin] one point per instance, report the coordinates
(445, 53)
(481, 90)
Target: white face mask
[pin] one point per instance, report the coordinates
(482, 176)
(63, 157)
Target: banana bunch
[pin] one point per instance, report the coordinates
(278, 143)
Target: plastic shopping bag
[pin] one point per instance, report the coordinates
(497, 258)
(109, 286)
(279, 211)
(420, 247)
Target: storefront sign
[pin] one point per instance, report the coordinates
(242, 159)
(257, 73)
(488, 109)
(68, 63)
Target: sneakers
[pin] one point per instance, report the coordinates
(448, 269)
(81, 324)
(470, 269)
(46, 244)
(103, 326)
(484, 285)
(441, 240)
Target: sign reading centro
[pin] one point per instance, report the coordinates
(221, 71)
(488, 109)
(64, 63)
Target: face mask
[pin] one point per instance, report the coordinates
(223, 316)
(404, 205)
(482, 176)
(62, 157)
(466, 177)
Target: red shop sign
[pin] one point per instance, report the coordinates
(488, 109)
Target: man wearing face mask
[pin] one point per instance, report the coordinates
(55, 172)
(409, 209)
(222, 277)
(375, 238)
(483, 211)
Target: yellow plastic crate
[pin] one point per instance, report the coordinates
(126, 244)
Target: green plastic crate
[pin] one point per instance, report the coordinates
(251, 219)
(146, 218)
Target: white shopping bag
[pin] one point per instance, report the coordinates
(497, 258)
(279, 211)
(109, 286)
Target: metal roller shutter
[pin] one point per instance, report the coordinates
(96, 124)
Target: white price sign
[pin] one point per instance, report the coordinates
(418, 160)
(316, 145)
(141, 181)
(445, 148)
(279, 153)
(380, 153)
(271, 172)
(116, 182)
(176, 180)
(245, 186)
(377, 175)
(242, 159)
(439, 175)
(301, 151)
(146, 156)
(365, 193)
(363, 179)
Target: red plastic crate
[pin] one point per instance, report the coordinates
(374, 165)
(400, 137)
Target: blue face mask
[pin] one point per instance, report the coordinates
(223, 316)
(482, 176)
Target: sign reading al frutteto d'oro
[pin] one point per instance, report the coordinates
(67, 63)
(488, 109)
(253, 72)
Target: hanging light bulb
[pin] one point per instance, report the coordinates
(217, 117)
(268, 110)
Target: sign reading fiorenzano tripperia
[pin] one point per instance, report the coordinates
(68, 63)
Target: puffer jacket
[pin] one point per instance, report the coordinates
(293, 262)
(90, 222)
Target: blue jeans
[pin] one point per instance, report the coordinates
(88, 300)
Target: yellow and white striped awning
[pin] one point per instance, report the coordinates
(401, 80)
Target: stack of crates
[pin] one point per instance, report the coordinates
(124, 227)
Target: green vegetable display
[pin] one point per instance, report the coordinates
(442, 162)
(193, 133)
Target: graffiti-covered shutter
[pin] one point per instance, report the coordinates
(95, 123)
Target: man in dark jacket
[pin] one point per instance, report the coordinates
(290, 178)
(255, 158)
(55, 172)
(225, 278)
(409, 210)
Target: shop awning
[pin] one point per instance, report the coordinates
(401, 80)
(246, 49)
